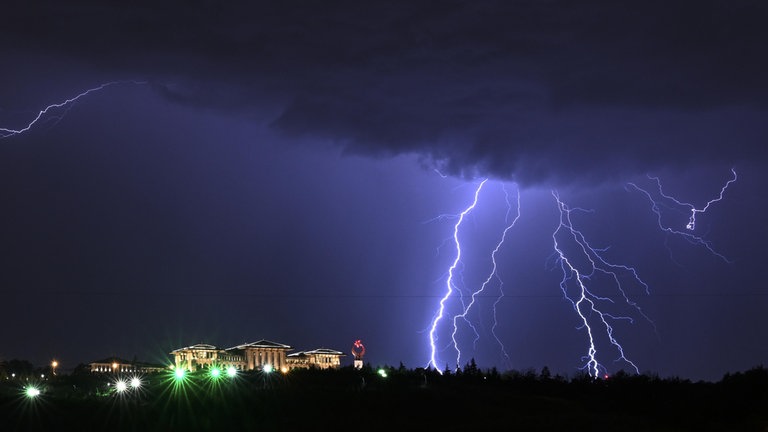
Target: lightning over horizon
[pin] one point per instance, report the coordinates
(493, 275)
(691, 224)
(598, 288)
(66, 105)
(583, 268)
(449, 284)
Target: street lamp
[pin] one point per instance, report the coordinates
(121, 386)
(54, 365)
(135, 382)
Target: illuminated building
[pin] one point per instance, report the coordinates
(205, 355)
(321, 358)
(262, 353)
(254, 356)
(118, 365)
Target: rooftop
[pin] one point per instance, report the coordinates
(326, 351)
(263, 344)
(200, 346)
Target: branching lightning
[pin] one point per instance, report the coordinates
(468, 297)
(449, 284)
(493, 275)
(691, 225)
(586, 274)
(579, 275)
(596, 288)
(50, 110)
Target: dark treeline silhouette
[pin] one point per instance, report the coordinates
(388, 398)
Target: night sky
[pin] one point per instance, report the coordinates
(293, 170)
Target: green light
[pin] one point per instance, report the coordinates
(383, 373)
(179, 373)
(215, 372)
(32, 392)
(231, 371)
(268, 368)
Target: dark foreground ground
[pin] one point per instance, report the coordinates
(405, 400)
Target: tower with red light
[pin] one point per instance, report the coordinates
(358, 351)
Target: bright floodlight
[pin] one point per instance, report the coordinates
(121, 386)
(32, 392)
(135, 382)
(231, 371)
(268, 368)
(178, 373)
(215, 372)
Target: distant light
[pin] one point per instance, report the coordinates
(121, 386)
(32, 392)
(114, 366)
(54, 364)
(231, 371)
(268, 368)
(284, 369)
(383, 373)
(179, 373)
(135, 382)
(215, 372)
(42, 375)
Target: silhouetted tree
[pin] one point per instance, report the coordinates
(545, 375)
(471, 368)
(21, 368)
(493, 373)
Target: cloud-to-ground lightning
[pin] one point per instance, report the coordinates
(583, 268)
(449, 284)
(493, 275)
(50, 110)
(597, 289)
(691, 225)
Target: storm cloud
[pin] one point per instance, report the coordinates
(533, 91)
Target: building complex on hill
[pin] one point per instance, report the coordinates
(255, 356)
(119, 365)
(245, 357)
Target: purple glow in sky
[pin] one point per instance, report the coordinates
(272, 178)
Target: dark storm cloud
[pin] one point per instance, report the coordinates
(535, 91)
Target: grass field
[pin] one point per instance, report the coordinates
(403, 400)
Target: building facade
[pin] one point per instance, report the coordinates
(254, 356)
(118, 365)
(259, 354)
(321, 358)
(201, 355)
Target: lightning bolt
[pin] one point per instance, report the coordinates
(449, 284)
(493, 275)
(584, 268)
(691, 225)
(66, 105)
(581, 272)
